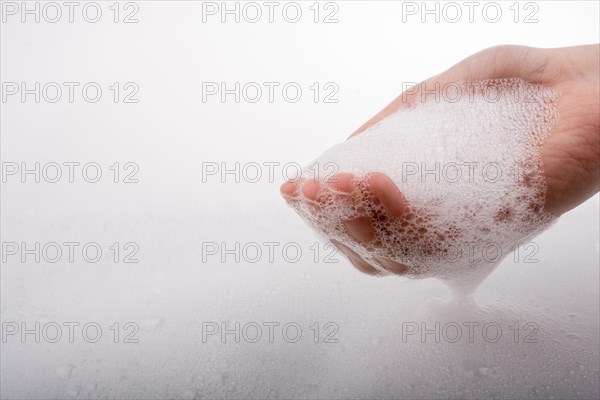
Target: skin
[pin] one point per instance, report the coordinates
(570, 155)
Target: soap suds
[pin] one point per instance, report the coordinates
(470, 171)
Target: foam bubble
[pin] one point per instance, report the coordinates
(470, 171)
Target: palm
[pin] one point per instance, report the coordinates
(571, 155)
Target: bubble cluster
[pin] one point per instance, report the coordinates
(470, 172)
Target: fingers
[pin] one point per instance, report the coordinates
(361, 230)
(375, 187)
(356, 260)
(386, 191)
(392, 266)
(342, 183)
(288, 189)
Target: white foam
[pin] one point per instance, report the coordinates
(458, 225)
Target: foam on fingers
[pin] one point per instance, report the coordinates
(448, 187)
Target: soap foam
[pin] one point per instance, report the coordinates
(470, 171)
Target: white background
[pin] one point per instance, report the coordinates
(171, 293)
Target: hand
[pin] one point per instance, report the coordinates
(570, 155)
